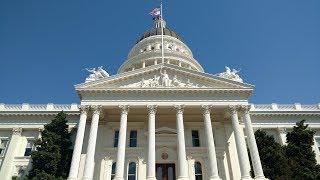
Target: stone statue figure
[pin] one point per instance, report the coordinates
(96, 73)
(103, 72)
(233, 75)
(164, 79)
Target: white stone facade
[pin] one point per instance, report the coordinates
(158, 118)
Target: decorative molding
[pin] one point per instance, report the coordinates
(17, 131)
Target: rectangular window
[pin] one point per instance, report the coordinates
(195, 138)
(29, 148)
(116, 139)
(3, 146)
(133, 139)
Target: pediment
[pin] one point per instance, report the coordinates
(165, 130)
(163, 76)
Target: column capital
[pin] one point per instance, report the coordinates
(83, 109)
(179, 108)
(124, 109)
(206, 109)
(232, 109)
(17, 131)
(245, 109)
(96, 109)
(152, 109)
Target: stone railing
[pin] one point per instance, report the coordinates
(285, 107)
(38, 107)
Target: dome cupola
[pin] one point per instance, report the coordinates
(148, 50)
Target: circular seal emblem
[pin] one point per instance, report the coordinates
(164, 156)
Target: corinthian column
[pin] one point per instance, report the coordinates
(13, 147)
(257, 167)
(240, 144)
(89, 165)
(183, 165)
(73, 174)
(213, 167)
(151, 173)
(122, 143)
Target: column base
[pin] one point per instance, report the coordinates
(86, 178)
(246, 178)
(215, 178)
(261, 178)
(183, 178)
(118, 178)
(151, 178)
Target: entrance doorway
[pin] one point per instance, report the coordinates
(166, 172)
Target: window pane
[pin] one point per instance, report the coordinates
(132, 171)
(132, 168)
(198, 177)
(195, 138)
(133, 139)
(3, 146)
(197, 168)
(113, 170)
(27, 152)
(198, 171)
(116, 138)
(159, 173)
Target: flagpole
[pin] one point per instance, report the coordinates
(161, 25)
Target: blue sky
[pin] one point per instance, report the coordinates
(46, 44)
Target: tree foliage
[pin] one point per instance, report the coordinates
(52, 157)
(300, 153)
(275, 164)
(294, 161)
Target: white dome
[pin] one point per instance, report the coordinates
(147, 51)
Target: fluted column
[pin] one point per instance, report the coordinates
(89, 164)
(182, 158)
(122, 143)
(213, 166)
(240, 144)
(12, 148)
(73, 174)
(151, 171)
(255, 158)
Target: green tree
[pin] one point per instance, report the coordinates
(300, 154)
(52, 158)
(274, 163)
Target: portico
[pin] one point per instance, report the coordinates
(151, 118)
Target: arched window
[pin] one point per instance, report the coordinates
(132, 171)
(113, 170)
(198, 170)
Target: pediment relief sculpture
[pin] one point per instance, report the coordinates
(163, 79)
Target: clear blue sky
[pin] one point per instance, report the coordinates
(46, 44)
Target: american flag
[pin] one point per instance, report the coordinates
(155, 12)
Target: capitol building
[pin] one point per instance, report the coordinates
(161, 117)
